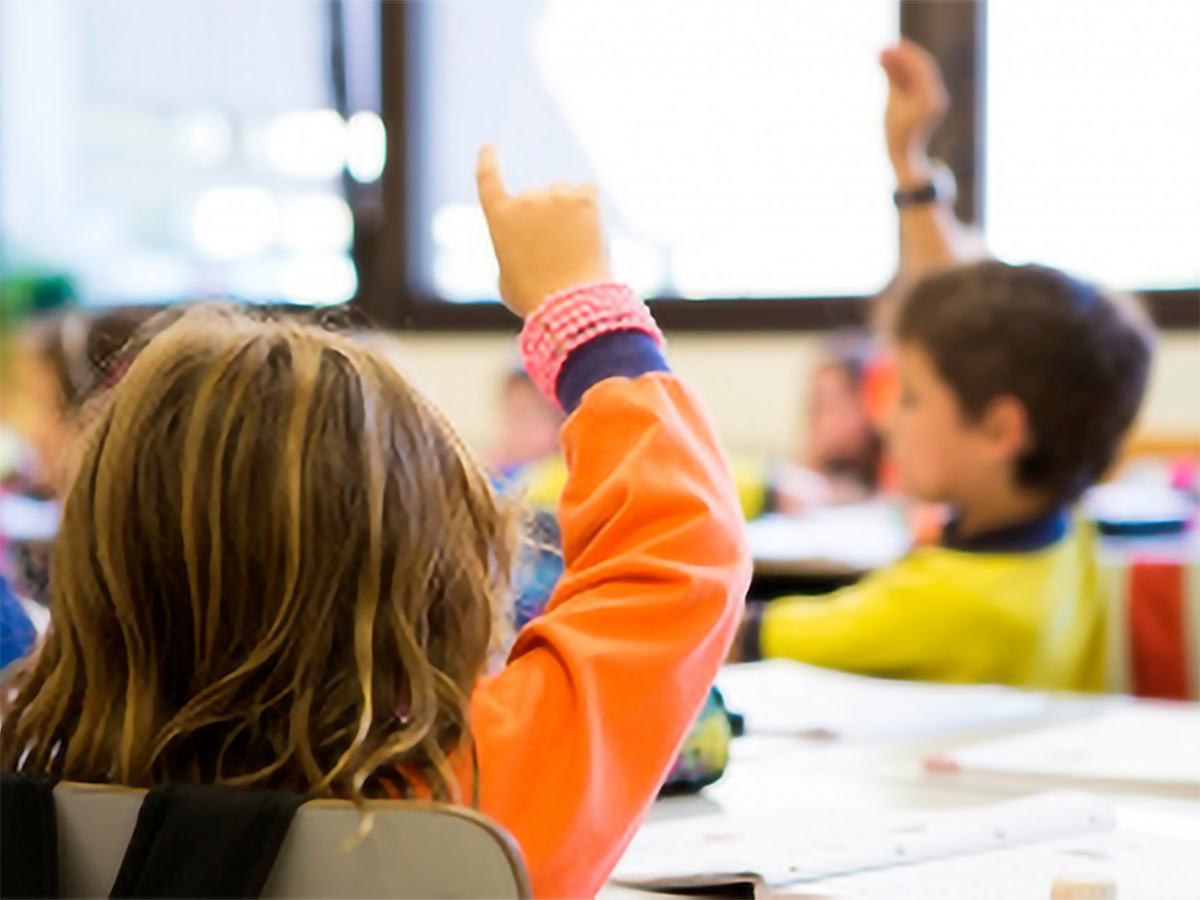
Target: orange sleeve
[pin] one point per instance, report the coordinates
(575, 736)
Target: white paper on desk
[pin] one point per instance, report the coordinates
(784, 697)
(1142, 868)
(810, 844)
(860, 538)
(1140, 744)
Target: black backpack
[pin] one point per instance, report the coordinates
(189, 841)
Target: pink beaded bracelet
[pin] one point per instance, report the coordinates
(571, 318)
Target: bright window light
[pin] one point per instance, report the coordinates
(309, 144)
(366, 147)
(464, 265)
(234, 223)
(1093, 138)
(164, 151)
(316, 223)
(738, 147)
(204, 137)
(319, 280)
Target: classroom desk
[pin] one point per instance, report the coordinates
(768, 773)
(824, 550)
(845, 543)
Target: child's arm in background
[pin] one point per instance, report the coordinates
(909, 621)
(575, 736)
(931, 238)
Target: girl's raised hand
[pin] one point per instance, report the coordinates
(545, 240)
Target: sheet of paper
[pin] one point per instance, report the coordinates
(1141, 868)
(860, 538)
(785, 697)
(1148, 744)
(786, 847)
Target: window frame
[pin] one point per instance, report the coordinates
(385, 229)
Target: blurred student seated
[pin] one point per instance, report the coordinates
(840, 462)
(58, 362)
(528, 458)
(1017, 386)
(54, 364)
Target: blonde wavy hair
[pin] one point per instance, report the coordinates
(278, 566)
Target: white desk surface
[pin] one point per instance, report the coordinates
(775, 773)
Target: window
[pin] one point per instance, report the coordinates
(1093, 139)
(739, 148)
(158, 151)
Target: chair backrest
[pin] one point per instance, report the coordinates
(413, 849)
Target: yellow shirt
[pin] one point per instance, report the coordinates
(1030, 619)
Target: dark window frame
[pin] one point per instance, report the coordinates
(954, 32)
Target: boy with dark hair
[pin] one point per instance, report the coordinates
(1064, 361)
(1017, 385)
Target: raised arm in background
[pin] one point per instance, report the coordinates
(931, 238)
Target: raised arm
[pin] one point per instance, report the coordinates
(575, 736)
(931, 238)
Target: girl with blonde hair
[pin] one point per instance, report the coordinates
(279, 567)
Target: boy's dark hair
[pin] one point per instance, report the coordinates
(1076, 357)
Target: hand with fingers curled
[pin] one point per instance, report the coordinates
(917, 102)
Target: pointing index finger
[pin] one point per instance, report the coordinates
(487, 176)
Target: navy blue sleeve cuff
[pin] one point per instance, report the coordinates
(751, 634)
(616, 354)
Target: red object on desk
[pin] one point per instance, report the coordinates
(1157, 615)
(1154, 617)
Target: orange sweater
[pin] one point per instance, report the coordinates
(575, 736)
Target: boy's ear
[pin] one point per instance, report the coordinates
(1005, 425)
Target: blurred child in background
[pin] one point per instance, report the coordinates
(54, 364)
(528, 458)
(528, 465)
(529, 425)
(57, 362)
(17, 632)
(841, 457)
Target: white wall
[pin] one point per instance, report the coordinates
(755, 385)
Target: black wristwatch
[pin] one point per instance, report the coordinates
(940, 188)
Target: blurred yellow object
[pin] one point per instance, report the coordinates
(753, 480)
(543, 482)
(14, 452)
